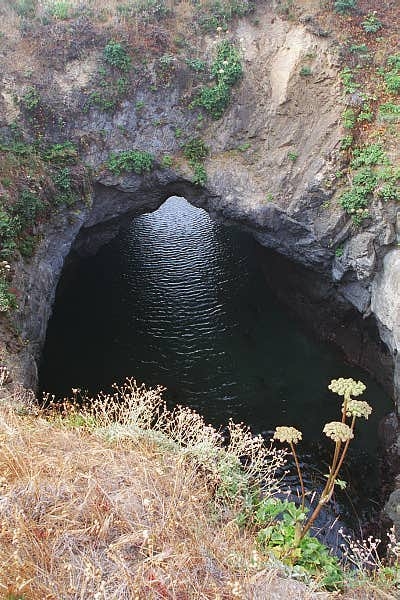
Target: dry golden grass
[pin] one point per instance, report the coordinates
(85, 518)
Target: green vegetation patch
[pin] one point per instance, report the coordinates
(344, 6)
(216, 14)
(391, 75)
(227, 70)
(196, 151)
(38, 179)
(372, 175)
(130, 160)
(116, 55)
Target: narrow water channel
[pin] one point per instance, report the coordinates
(179, 300)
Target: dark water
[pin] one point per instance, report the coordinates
(181, 301)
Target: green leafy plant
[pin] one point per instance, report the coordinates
(195, 151)
(346, 142)
(344, 6)
(116, 55)
(25, 8)
(339, 252)
(341, 432)
(349, 118)
(392, 76)
(64, 153)
(31, 99)
(215, 15)
(60, 9)
(347, 77)
(305, 71)
(226, 70)
(199, 174)
(196, 64)
(389, 111)
(371, 24)
(279, 522)
(293, 156)
(130, 160)
(166, 161)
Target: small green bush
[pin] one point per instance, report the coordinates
(369, 155)
(31, 99)
(305, 71)
(7, 298)
(25, 8)
(392, 76)
(349, 118)
(344, 6)
(347, 77)
(371, 24)
(27, 208)
(60, 9)
(130, 160)
(116, 55)
(388, 111)
(213, 14)
(199, 174)
(195, 150)
(64, 153)
(227, 70)
(166, 161)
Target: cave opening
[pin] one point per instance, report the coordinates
(184, 301)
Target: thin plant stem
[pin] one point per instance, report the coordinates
(303, 494)
(330, 484)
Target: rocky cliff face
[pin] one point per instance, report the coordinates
(272, 168)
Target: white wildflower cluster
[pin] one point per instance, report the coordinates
(287, 434)
(346, 387)
(362, 554)
(4, 268)
(338, 432)
(357, 408)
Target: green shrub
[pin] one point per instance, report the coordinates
(196, 64)
(227, 70)
(64, 153)
(293, 156)
(213, 14)
(27, 208)
(347, 77)
(25, 8)
(392, 76)
(195, 150)
(31, 99)
(346, 142)
(371, 23)
(278, 522)
(349, 118)
(305, 71)
(344, 6)
(166, 161)
(366, 113)
(7, 298)
(199, 174)
(116, 55)
(369, 155)
(59, 9)
(388, 111)
(130, 160)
